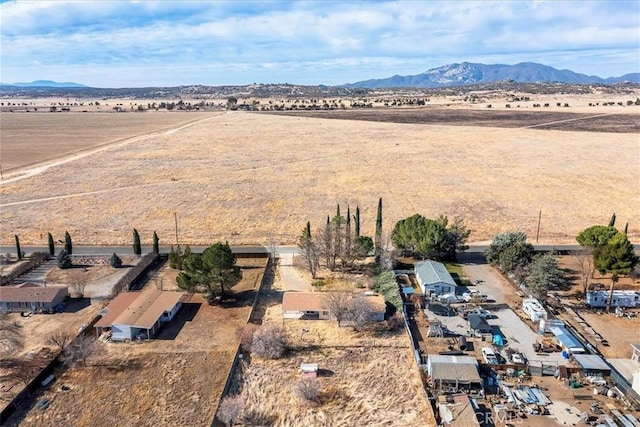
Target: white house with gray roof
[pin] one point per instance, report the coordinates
(433, 277)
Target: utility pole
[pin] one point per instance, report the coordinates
(538, 232)
(175, 217)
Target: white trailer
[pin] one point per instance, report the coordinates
(625, 299)
(534, 309)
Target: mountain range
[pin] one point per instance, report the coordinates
(468, 73)
(451, 75)
(44, 83)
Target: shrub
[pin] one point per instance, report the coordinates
(247, 336)
(308, 389)
(230, 409)
(64, 260)
(269, 342)
(115, 261)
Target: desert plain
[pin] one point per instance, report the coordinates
(249, 177)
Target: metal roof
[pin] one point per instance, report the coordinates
(431, 272)
(463, 369)
(566, 339)
(479, 324)
(591, 362)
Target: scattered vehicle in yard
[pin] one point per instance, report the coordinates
(474, 295)
(489, 356)
(519, 358)
(449, 298)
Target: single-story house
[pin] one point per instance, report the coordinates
(434, 278)
(592, 365)
(479, 324)
(457, 410)
(312, 305)
(447, 371)
(133, 315)
(31, 297)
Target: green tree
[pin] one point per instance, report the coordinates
(357, 221)
(156, 243)
(612, 221)
(430, 238)
(52, 246)
(115, 261)
(137, 248)
(68, 245)
(378, 235)
(175, 258)
(544, 274)
(616, 257)
(596, 236)
(510, 251)
(64, 259)
(18, 250)
(363, 246)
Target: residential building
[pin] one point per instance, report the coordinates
(313, 305)
(434, 278)
(33, 298)
(137, 315)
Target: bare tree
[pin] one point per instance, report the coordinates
(338, 304)
(360, 313)
(78, 280)
(158, 282)
(269, 342)
(308, 389)
(230, 409)
(79, 350)
(11, 339)
(583, 260)
(60, 339)
(310, 251)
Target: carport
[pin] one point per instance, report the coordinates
(592, 365)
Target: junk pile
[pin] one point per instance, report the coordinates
(530, 400)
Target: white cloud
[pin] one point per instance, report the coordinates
(343, 41)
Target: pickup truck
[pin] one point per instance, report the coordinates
(489, 356)
(474, 295)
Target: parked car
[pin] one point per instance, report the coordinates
(519, 358)
(449, 298)
(489, 356)
(474, 295)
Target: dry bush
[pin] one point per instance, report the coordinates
(230, 409)
(59, 339)
(247, 336)
(269, 342)
(308, 390)
(79, 350)
(395, 322)
(11, 339)
(78, 280)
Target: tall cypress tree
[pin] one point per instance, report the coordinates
(626, 228)
(52, 246)
(137, 249)
(307, 232)
(156, 243)
(379, 226)
(68, 245)
(612, 221)
(18, 247)
(357, 221)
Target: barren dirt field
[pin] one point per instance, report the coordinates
(176, 379)
(242, 176)
(27, 139)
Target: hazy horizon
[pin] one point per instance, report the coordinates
(128, 44)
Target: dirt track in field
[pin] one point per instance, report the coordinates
(244, 176)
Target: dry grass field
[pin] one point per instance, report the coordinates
(32, 138)
(366, 379)
(242, 176)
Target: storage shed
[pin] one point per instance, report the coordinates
(454, 371)
(592, 365)
(567, 340)
(479, 324)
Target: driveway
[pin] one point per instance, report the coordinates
(291, 279)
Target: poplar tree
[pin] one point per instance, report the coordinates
(52, 246)
(18, 247)
(68, 245)
(137, 249)
(156, 243)
(357, 221)
(378, 235)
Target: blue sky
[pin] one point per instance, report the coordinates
(114, 43)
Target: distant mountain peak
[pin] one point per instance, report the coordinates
(46, 83)
(467, 73)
